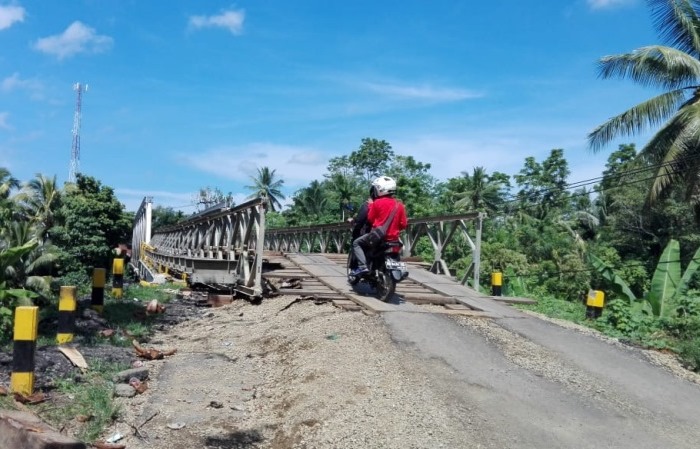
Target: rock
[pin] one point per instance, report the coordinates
(124, 391)
(27, 431)
(124, 376)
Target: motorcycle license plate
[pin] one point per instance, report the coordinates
(395, 265)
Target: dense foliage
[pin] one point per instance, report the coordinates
(51, 236)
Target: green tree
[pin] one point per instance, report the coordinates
(165, 216)
(372, 158)
(481, 191)
(543, 186)
(312, 203)
(265, 185)
(675, 70)
(40, 198)
(8, 183)
(415, 184)
(344, 189)
(92, 223)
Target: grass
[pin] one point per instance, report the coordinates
(557, 308)
(86, 408)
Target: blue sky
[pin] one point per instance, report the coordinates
(188, 94)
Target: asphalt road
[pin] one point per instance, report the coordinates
(528, 383)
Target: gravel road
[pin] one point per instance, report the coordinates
(314, 376)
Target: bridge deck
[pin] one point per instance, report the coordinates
(422, 287)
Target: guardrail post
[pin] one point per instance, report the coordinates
(66, 314)
(25, 331)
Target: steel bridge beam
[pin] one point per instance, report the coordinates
(221, 246)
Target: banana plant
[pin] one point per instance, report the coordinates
(618, 285)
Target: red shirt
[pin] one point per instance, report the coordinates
(379, 212)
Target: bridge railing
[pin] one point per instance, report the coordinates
(440, 231)
(141, 235)
(221, 246)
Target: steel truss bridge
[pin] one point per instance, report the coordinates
(224, 246)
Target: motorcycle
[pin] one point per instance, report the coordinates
(385, 269)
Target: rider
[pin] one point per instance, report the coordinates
(384, 189)
(360, 225)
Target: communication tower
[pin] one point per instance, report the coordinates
(75, 148)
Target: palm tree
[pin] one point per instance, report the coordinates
(675, 69)
(40, 199)
(266, 185)
(311, 201)
(481, 193)
(7, 183)
(7, 205)
(344, 187)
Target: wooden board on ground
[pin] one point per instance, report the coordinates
(463, 294)
(334, 276)
(346, 304)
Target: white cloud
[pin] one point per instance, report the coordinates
(231, 20)
(603, 4)
(297, 166)
(14, 82)
(424, 92)
(77, 38)
(9, 15)
(3, 120)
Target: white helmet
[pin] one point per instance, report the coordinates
(384, 185)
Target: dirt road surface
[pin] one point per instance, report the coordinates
(315, 376)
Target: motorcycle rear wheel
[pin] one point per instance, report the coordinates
(385, 287)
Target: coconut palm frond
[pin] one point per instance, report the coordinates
(636, 119)
(677, 23)
(655, 66)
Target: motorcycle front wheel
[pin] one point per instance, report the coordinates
(385, 285)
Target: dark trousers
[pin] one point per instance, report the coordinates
(358, 249)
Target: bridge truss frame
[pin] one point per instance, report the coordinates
(221, 246)
(440, 231)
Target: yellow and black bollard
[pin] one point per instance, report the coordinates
(595, 303)
(25, 330)
(117, 278)
(98, 289)
(496, 283)
(66, 314)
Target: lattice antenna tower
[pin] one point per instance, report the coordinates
(75, 147)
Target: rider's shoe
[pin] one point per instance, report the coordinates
(359, 272)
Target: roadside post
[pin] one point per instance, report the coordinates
(67, 305)
(117, 277)
(496, 283)
(98, 289)
(24, 349)
(595, 303)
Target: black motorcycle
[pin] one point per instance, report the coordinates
(385, 269)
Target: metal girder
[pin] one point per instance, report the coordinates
(220, 246)
(440, 230)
